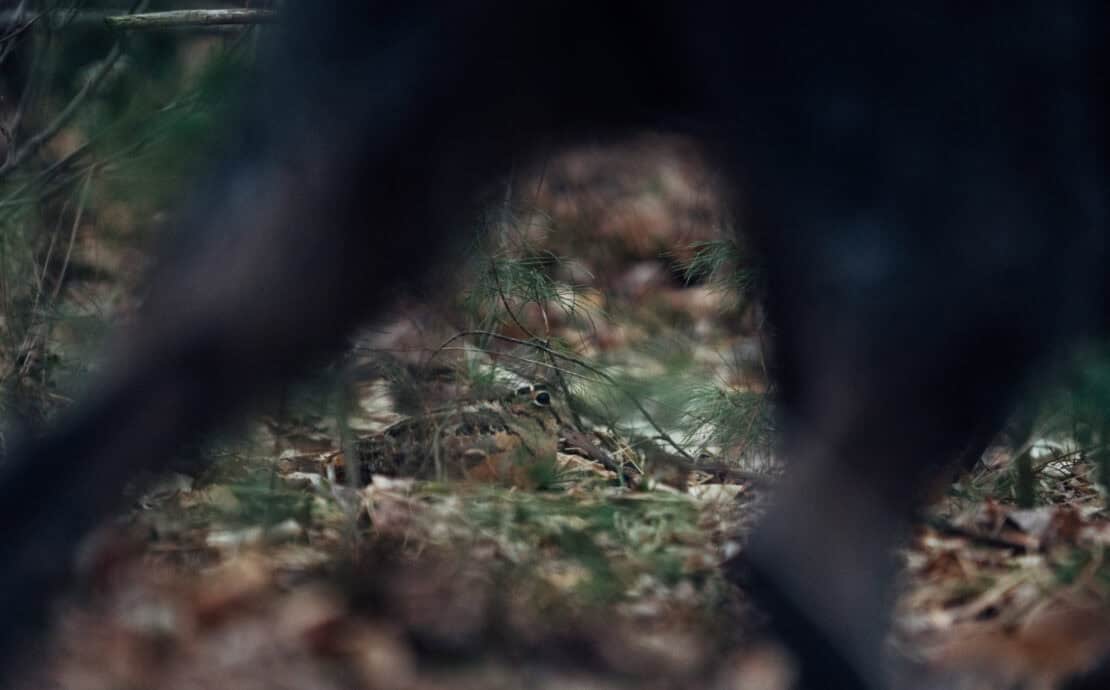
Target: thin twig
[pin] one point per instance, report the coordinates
(40, 276)
(8, 39)
(34, 340)
(30, 88)
(30, 334)
(523, 360)
(82, 197)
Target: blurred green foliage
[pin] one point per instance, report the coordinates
(106, 181)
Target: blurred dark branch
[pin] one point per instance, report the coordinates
(176, 19)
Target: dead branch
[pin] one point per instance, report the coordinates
(177, 19)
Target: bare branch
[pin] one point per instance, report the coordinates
(177, 19)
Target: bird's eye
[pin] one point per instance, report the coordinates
(524, 390)
(543, 399)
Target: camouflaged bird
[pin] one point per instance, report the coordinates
(513, 439)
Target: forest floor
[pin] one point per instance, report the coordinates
(577, 553)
